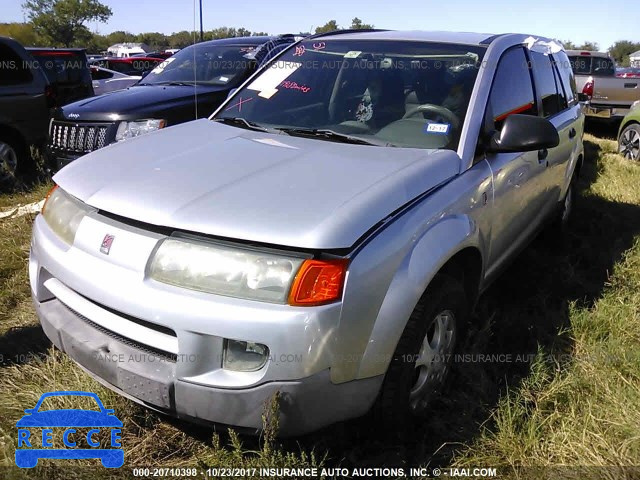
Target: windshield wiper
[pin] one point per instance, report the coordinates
(179, 84)
(241, 122)
(332, 135)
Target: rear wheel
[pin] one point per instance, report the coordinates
(422, 361)
(10, 154)
(629, 142)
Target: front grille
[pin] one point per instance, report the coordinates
(79, 137)
(147, 349)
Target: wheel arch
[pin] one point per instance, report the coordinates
(463, 260)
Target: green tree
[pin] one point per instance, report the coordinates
(330, 26)
(182, 39)
(591, 46)
(621, 50)
(356, 24)
(569, 45)
(22, 32)
(61, 22)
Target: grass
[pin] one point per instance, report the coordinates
(565, 390)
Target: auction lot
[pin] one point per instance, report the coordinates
(551, 377)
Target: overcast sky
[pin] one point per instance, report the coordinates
(577, 20)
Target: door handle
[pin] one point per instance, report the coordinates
(542, 155)
(572, 133)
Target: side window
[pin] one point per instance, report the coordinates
(562, 97)
(567, 78)
(13, 70)
(547, 84)
(511, 91)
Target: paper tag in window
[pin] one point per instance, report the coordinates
(442, 128)
(266, 83)
(352, 54)
(163, 65)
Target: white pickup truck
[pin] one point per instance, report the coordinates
(609, 96)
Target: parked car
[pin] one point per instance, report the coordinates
(160, 55)
(25, 99)
(130, 65)
(67, 70)
(629, 134)
(105, 80)
(628, 72)
(169, 95)
(608, 95)
(324, 235)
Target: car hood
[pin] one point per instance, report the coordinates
(216, 179)
(135, 99)
(69, 418)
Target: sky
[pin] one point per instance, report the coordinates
(601, 21)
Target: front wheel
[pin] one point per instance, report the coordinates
(422, 361)
(629, 142)
(9, 155)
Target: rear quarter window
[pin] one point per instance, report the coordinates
(13, 71)
(547, 84)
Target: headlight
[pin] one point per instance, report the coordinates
(128, 130)
(240, 272)
(231, 271)
(63, 213)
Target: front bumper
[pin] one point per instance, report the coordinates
(162, 346)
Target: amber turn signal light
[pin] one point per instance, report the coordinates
(318, 282)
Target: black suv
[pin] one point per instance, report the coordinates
(189, 85)
(25, 100)
(67, 70)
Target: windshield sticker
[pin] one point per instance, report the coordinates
(299, 51)
(319, 46)
(247, 49)
(294, 86)
(239, 104)
(352, 54)
(266, 83)
(162, 66)
(440, 128)
(224, 79)
(364, 112)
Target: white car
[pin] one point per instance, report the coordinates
(105, 80)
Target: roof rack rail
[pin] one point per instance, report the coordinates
(348, 30)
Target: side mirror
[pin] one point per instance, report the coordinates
(583, 97)
(231, 92)
(524, 133)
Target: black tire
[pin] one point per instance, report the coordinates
(555, 234)
(629, 142)
(12, 157)
(401, 399)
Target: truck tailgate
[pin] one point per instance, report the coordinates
(615, 91)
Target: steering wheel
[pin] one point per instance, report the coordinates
(435, 109)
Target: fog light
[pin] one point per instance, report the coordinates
(244, 356)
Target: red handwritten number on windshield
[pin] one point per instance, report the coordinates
(299, 51)
(319, 46)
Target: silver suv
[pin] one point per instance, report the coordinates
(323, 235)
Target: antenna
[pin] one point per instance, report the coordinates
(195, 66)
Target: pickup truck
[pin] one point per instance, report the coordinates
(321, 238)
(609, 95)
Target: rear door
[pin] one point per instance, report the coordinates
(520, 195)
(557, 103)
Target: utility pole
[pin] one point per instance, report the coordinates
(201, 31)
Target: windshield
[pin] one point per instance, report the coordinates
(587, 65)
(406, 94)
(206, 64)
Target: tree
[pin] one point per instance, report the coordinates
(22, 32)
(61, 22)
(330, 26)
(592, 46)
(621, 50)
(569, 45)
(356, 24)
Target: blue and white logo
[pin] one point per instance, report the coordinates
(37, 429)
